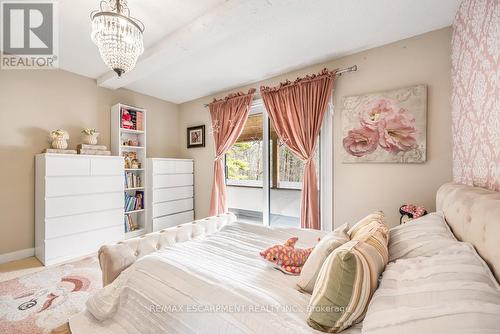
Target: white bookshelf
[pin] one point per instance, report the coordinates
(118, 136)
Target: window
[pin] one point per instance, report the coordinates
(244, 162)
(264, 178)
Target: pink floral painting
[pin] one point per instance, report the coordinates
(385, 127)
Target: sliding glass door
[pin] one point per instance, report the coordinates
(263, 177)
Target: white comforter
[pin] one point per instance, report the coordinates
(452, 292)
(216, 285)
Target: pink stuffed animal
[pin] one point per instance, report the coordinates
(287, 256)
(127, 120)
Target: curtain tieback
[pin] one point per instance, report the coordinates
(219, 157)
(308, 160)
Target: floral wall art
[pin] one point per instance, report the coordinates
(386, 127)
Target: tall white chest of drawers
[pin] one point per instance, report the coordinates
(170, 192)
(78, 205)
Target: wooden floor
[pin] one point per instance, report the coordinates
(19, 268)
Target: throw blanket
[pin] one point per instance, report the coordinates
(216, 285)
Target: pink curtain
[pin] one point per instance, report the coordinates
(228, 120)
(296, 110)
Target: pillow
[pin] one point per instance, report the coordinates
(424, 236)
(326, 245)
(375, 217)
(345, 285)
(452, 291)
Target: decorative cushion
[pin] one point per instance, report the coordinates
(326, 245)
(365, 223)
(345, 285)
(424, 236)
(450, 292)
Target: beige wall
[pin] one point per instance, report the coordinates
(34, 102)
(359, 188)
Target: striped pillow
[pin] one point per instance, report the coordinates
(326, 245)
(346, 283)
(373, 233)
(363, 224)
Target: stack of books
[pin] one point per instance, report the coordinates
(93, 149)
(134, 202)
(132, 180)
(138, 121)
(129, 224)
(59, 151)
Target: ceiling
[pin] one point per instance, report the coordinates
(195, 48)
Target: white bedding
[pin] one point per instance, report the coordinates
(170, 291)
(452, 292)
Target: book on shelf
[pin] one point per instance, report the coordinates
(129, 223)
(139, 121)
(55, 150)
(91, 147)
(134, 202)
(132, 180)
(93, 152)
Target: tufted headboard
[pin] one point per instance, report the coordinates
(473, 215)
(114, 259)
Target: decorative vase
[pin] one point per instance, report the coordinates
(59, 143)
(90, 139)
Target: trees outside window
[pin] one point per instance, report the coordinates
(244, 163)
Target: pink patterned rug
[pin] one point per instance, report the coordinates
(37, 303)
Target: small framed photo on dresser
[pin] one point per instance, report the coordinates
(196, 136)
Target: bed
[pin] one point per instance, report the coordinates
(216, 283)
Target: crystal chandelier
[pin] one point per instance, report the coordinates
(117, 35)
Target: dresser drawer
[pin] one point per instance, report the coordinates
(106, 166)
(172, 220)
(67, 166)
(67, 247)
(63, 206)
(179, 180)
(173, 167)
(168, 208)
(77, 185)
(171, 194)
(61, 226)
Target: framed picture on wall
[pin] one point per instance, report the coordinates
(385, 127)
(196, 136)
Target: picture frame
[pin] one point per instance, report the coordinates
(385, 127)
(196, 136)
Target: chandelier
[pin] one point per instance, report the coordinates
(117, 35)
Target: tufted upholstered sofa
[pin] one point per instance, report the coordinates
(113, 259)
(473, 215)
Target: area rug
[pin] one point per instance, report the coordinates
(37, 303)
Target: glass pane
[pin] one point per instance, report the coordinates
(244, 172)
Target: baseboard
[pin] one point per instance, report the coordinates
(17, 255)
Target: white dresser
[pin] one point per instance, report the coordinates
(78, 205)
(170, 192)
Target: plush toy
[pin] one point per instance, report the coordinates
(286, 256)
(127, 120)
(410, 211)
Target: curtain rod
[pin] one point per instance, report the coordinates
(339, 73)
